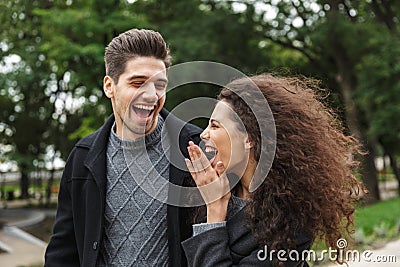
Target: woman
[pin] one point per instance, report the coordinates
(309, 192)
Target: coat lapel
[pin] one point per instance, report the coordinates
(178, 226)
(96, 157)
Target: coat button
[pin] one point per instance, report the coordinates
(95, 245)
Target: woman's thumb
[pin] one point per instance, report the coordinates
(220, 168)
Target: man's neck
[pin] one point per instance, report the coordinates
(127, 134)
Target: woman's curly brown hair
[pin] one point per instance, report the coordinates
(311, 185)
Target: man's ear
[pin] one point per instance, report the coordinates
(108, 86)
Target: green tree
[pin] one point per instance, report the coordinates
(333, 35)
(378, 95)
(214, 31)
(75, 34)
(25, 115)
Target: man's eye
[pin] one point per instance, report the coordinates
(137, 84)
(161, 85)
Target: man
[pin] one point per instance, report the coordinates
(105, 216)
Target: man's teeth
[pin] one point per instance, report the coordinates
(149, 108)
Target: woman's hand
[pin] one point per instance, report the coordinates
(212, 183)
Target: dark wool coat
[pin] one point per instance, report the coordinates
(78, 225)
(235, 245)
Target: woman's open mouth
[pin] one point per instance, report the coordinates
(211, 154)
(210, 151)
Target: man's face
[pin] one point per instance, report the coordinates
(138, 97)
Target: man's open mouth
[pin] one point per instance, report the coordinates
(143, 111)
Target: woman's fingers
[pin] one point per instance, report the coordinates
(190, 168)
(212, 182)
(199, 159)
(202, 158)
(196, 161)
(193, 157)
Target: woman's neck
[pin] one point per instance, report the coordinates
(243, 191)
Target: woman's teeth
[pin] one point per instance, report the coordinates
(209, 151)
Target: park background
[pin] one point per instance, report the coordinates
(51, 71)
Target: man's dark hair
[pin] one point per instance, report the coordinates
(131, 44)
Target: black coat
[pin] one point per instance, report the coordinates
(235, 245)
(78, 225)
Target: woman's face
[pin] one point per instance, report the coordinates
(224, 141)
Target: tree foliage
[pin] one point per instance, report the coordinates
(335, 36)
(52, 94)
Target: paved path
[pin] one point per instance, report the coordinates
(386, 256)
(388, 190)
(21, 248)
(24, 249)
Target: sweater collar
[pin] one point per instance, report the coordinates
(146, 141)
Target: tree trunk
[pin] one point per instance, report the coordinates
(393, 164)
(48, 189)
(24, 183)
(368, 170)
(369, 175)
(396, 171)
(347, 83)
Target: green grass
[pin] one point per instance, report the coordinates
(386, 175)
(11, 188)
(374, 224)
(16, 189)
(370, 217)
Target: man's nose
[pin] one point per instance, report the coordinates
(150, 92)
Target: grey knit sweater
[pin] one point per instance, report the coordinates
(135, 223)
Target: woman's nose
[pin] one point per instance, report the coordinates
(204, 134)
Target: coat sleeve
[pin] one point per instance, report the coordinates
(62, 249)
(211, 248)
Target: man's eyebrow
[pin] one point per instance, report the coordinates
(162, 80)
(136, 77)
(133, 77)
(214, 120)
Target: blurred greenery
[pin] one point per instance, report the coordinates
(51, 64)
(39, 264)
(373, 224)
(383, 214)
